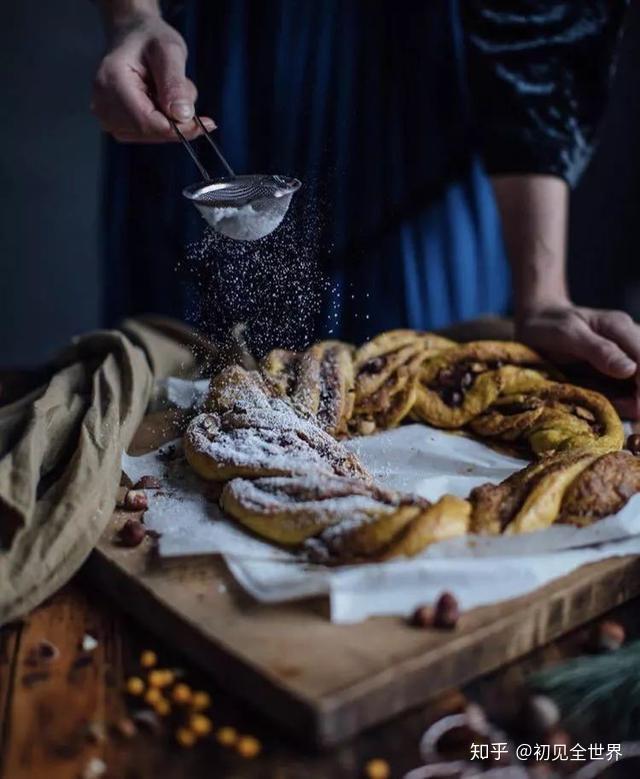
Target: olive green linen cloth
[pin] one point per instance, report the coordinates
(61, 448)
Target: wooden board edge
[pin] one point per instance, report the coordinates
(424, 676)
(327, 722)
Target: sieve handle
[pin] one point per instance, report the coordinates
(215, 147)
(191, 152)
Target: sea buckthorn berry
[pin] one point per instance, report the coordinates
(148, 659)
(201, 700)
(160, 677)
(185, 737)
(227, 736)
(135, 686)
(377, 769)
(181, 693)
(200, 724)
(248, 747)
(153, 696)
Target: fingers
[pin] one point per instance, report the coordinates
(602, 353)
(122, 103)
(175, 94)
(622, 330)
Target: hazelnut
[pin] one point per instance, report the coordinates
(542, 713)
(447, 611)
(422, 617)
(607, 636)
(136, 500)
(148, 720)
(633, 443)
(148, 483)
(131, 533)
(124, 727)
(43, 652)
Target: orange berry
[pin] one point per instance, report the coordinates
(148, 659)
(185, 737)
(181, 693)
(153, 696)
(201, 700)
(134, 685)
(160, 677)
(162, 707)
(227, 736)
(200, 724)
(377, 769)
(248, 747)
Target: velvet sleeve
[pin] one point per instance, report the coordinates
(539, 73)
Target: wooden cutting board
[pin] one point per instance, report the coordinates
(323, 682)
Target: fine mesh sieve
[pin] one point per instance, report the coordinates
(241, 207)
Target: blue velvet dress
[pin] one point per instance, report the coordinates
(391, 113)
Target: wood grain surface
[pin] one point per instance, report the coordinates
(46, 720)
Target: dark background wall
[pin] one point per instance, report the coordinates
(49, 160)
(50, 276)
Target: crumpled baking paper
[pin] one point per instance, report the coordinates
(480, 570)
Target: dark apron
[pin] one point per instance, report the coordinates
(365, 102)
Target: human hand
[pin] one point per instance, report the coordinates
(141, 81)
(609, 341)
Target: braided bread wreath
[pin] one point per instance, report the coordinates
(273, 436)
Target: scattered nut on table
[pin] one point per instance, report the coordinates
(447, 612)
(607, 636)
(541, 713)
(131, 533)
(136, 500)
(423, 617)
(43, 652)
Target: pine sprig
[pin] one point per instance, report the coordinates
(600, 691)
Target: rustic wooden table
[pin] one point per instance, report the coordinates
(51, 721)
(54, 721)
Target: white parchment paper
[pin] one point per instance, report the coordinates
(480, 570)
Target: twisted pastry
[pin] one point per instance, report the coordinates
(404, 532)
(319, 381)
(462, 382)
(253, 434)
(602, 489)
(553, 418)
(529, 499)
(272, 438)
(386, 371)
(290, 509)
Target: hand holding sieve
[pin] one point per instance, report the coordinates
(240, 207)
